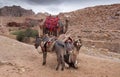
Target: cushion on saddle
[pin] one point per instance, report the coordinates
(51, 22)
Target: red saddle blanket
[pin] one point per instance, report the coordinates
(51, 23)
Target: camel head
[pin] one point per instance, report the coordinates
(77, 43)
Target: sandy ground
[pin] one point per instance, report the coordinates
(22, 60)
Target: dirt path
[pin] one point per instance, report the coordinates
(22, 60)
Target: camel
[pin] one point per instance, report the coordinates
(59, 29)
(73, 52)
(62, 29)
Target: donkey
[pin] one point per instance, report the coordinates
(60, 49)
(42, 42)
(52, 44)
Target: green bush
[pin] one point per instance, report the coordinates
(31, 33)
(22, 35)
(16, 32)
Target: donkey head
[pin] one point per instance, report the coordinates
(38, 41)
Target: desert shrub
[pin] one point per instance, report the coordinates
(22, 35)
(31, 33)
(16, 32)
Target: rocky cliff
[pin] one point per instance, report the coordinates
(15, 11)
(99, 25)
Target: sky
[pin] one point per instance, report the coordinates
(56, 6)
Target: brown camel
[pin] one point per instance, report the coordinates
(61, 28)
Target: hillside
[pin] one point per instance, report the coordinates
(15, 11)
(98, 26)
(22, 60)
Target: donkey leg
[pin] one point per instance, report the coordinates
(59, 62)
(63, 65)
(44, 57)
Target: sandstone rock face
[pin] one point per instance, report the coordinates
(15, 11)
(3, 30)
